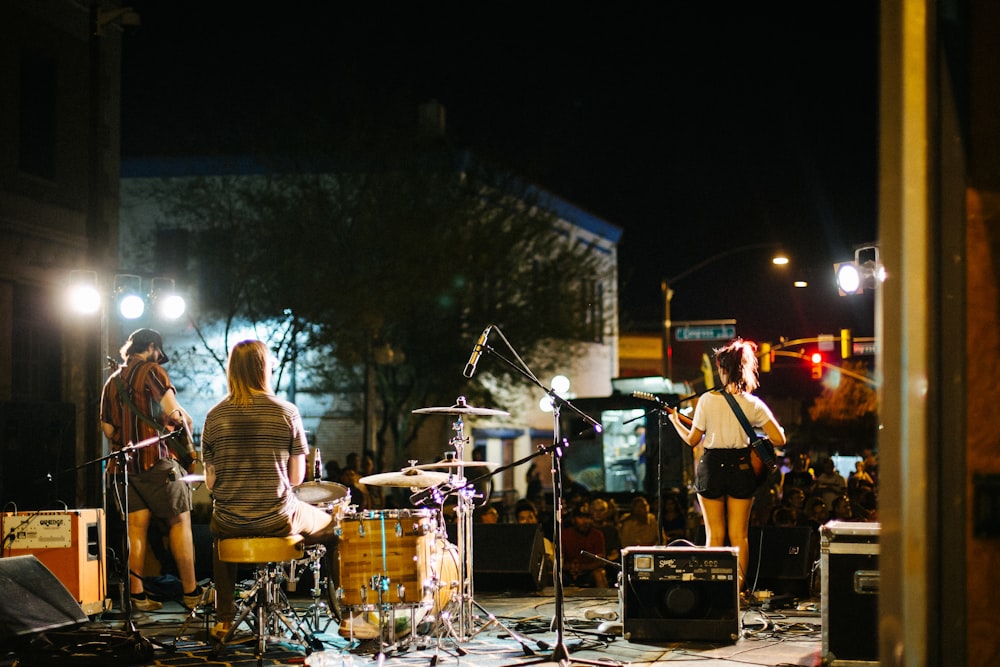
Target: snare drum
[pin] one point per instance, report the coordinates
(395, 552)
(330, 496)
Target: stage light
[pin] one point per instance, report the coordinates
(848, 277)
(128, 296)
(864, 273)
(83, 295)
(169, 305)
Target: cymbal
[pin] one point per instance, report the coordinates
(410, 477)
(455, 464)
(193, 479)
(462, 410)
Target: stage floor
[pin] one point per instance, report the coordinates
(782, 637)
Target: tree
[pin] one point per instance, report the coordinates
(850, 410)
(409, 256)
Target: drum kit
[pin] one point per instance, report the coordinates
(393, 561)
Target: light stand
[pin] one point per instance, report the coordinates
(560, 653)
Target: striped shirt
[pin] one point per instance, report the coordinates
(149, 383)
(249, 448)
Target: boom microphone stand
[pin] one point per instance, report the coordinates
(124, 455)
(560, 653)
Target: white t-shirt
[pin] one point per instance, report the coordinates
(721, 427)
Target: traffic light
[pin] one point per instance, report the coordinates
(846, 344)
(817, 365)
(765, 357)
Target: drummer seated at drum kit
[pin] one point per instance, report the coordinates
(255, 450)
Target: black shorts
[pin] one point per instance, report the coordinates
(725, 473)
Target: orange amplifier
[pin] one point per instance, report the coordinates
(70, 543)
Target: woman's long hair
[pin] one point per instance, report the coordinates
(738, 360)
(249, 371)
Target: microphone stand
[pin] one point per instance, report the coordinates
(560, 653)
(663, 408)
(125, 454)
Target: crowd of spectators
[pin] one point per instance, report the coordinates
(801, 494)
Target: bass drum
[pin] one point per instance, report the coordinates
(395, 558)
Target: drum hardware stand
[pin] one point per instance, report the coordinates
(560, 653)
(318, 608)
(207, 601)
(465, 492)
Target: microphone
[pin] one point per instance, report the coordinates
(477, 351)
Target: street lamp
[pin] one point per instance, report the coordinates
(668, 293)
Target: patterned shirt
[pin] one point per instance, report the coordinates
(147, 383)
(249, 448)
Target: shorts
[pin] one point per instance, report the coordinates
(160, 490)
(725, 473)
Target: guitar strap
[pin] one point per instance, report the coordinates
(126, 394)
(765, 456)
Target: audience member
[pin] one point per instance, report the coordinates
(840, 510)
(638, 528)
(816, 512)
(488, 514)
(800, 476)
(525, 512)
(579, 568)
(795, 500)
(829, 482)
(859, 479)
(674, 521)
(376, 499)
(605, 521)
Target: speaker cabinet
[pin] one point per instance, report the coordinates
(71, 544)
(782, 559)
(680, 594)
(850, 580)
(33, 600)
(506, 556)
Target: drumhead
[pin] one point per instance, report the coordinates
(321, 493)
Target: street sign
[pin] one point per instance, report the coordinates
(706, 332)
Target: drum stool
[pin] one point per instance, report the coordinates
(265, 606)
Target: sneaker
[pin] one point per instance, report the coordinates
(220, 630)
(358, 628)
(146, 604)
(194, 600)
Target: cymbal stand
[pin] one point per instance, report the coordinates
(560, 653)
(465, 492)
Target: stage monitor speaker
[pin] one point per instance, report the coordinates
(507, 557)
(33, 600)
(782, 559)
(680, 594)
(71, 544)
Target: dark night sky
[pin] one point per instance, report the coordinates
(695, 130)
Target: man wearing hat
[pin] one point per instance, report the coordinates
(138, 403)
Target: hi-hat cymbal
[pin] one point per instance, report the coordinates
(462, 410)
(410, 477)
(193, 479)
(455, 464)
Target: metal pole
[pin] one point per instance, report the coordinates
(668, 350)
